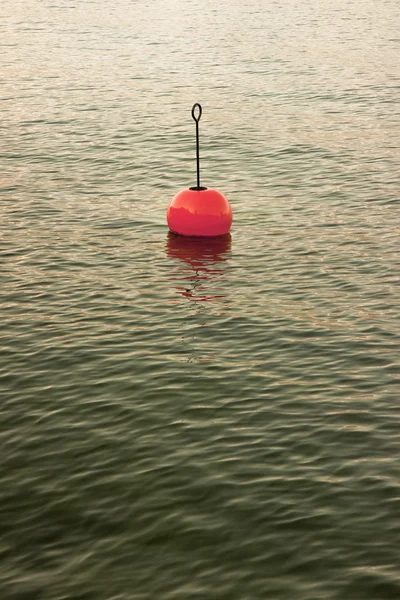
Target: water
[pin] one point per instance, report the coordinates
(199, 420)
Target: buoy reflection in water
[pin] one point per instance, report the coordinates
(203, 264)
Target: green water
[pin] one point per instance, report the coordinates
(199, 420)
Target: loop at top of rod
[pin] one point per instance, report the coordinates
(197, 105)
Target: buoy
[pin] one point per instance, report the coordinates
(199, 211)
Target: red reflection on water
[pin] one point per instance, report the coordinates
(202, 260)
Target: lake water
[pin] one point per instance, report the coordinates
(200, 420)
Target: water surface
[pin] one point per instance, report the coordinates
(185, 419)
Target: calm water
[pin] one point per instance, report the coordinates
(199, 420)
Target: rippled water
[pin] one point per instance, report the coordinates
(185, 419)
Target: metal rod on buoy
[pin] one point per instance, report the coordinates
(197, 119)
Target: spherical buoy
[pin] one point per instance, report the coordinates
(199, 211)
(204, 212)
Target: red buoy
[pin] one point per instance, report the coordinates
(199, 211)
(204, 212)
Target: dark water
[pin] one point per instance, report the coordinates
(199, 420)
